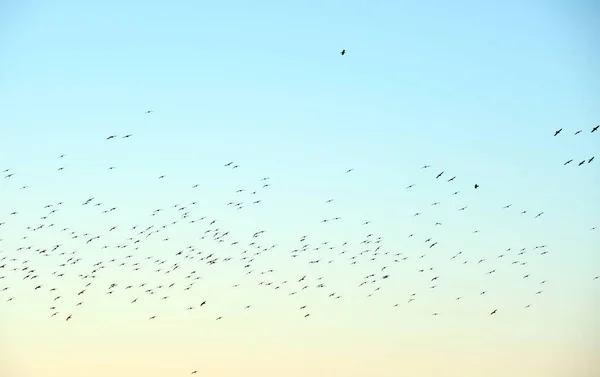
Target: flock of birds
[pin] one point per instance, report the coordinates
(239, 252)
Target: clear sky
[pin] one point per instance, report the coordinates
(475, 89)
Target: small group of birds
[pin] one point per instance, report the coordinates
(587, 159)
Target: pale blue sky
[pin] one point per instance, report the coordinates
(474, 88)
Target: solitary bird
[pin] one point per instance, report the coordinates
(557, 132)
(595, 128)
(343, 52)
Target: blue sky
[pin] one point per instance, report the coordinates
(475, 89)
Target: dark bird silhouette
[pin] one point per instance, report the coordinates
(595, 128)
(343, 52)
(557, 132)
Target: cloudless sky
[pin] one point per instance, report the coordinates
(475, 89)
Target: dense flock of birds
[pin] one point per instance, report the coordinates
(23, 265)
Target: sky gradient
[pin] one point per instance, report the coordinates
(474, 89)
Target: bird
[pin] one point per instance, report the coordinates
(476, 185)
(595, 128)
(557, 132)
(343, 52)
